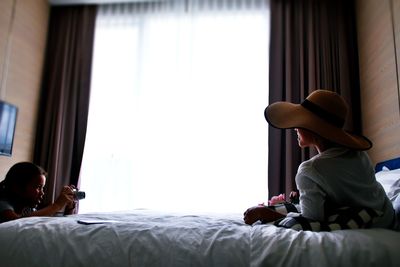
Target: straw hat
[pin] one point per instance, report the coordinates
(322, 112)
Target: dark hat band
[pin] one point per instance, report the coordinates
(323, 114)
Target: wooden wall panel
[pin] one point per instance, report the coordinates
(5, 20)
(26, 58)
(396, 23)
(378, 78)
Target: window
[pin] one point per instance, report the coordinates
(176, 112)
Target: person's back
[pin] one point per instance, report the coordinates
(345, 178)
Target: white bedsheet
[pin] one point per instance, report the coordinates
(150, 238)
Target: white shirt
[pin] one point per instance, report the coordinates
(340, 177)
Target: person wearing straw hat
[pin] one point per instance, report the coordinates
(340, 175)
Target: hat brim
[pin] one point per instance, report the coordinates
(286, 115)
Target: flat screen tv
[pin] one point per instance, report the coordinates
(8, 119)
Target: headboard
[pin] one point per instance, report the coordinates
(390, 164)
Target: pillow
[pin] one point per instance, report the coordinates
(394, 190)
(390, 180)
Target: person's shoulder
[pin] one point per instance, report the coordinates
(4, 200)
(307, 168)
(309, 164)
(307, 176)
(333, 157)
(5, 205)
(316, 166)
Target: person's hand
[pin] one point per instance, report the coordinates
(66, 197)
(294, 197)
(277, 199)
(260, 212)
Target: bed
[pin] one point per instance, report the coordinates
(155, 238)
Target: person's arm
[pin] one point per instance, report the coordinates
(66, 198)
(312, 198)
(7, 212)
(9, 215)
(70, 208)
(50, 210)
(262, 213)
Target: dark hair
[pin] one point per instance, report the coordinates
(20, 174)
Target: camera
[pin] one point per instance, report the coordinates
(78, 195)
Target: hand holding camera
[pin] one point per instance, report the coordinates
(78, 195)
(75, 195)
(69, 195)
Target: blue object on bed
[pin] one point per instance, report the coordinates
(390, 164)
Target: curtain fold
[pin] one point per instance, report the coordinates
(313, 46)
(62, 120)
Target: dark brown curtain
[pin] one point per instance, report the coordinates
(313, 46)
(65, 95)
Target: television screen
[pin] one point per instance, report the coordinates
(8, 119)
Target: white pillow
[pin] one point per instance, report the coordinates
(390, 180)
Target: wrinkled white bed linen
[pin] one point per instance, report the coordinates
(151, 238)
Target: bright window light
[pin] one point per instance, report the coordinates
(176, 112)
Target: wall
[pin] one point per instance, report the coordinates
(378, 26)
(27, 42)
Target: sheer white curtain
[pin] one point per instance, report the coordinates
(176, 114)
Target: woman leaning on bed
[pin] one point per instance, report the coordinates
(339, 178)
(22, 191)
